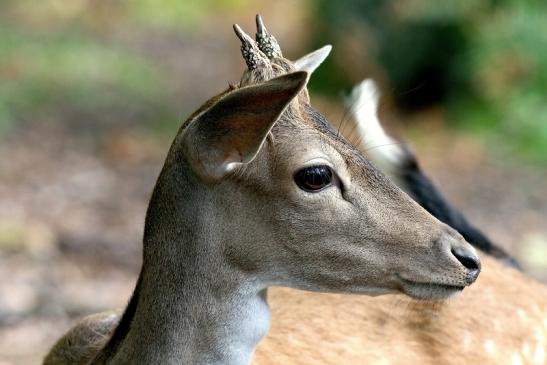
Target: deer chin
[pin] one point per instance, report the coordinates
(429, 291)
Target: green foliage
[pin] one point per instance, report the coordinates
(485, 61)
(58, 63)
(70, 73)
(508, 63)
(177, 13)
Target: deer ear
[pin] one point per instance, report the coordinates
(231, 131)
(312, 60)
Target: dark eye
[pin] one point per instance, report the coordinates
(313, 178)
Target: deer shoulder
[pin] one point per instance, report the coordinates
(81, 343)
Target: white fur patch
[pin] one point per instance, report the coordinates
(489, 346)
(516, 359)
(467, 340)
(383, 150)
(539, 353)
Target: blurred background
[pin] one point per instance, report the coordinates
(93, 91)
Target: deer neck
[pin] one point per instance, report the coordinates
(206, 326)
(190, 306)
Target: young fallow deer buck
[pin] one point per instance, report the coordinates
(258, 190)
(500, 320)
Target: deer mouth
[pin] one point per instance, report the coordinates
(428, 291)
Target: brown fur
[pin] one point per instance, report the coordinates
(83, 341)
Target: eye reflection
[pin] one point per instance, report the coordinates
(313, 178)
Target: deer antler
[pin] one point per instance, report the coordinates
(266, 42)
(252, 54)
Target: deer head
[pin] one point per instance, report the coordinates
(272, 188)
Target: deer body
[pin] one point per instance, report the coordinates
(258, 190)
(500, 320)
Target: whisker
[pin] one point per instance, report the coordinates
(350, 111)
(383, 145)
(347, 110)
(411, 90)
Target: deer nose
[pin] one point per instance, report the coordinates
(469, 260)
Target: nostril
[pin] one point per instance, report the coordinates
(466, 258)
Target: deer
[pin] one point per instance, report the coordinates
(500, 320)
(257, 191)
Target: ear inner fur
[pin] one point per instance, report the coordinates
(234, 128)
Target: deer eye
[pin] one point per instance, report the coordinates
(313, 178)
